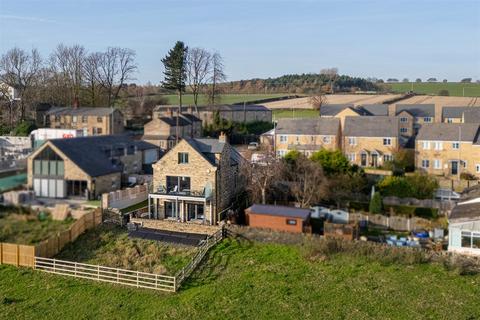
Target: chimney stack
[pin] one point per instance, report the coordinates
(222, 137)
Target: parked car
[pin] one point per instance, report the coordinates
(252, 146)
(447, 194)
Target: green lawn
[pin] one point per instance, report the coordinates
(23, 228)
(110, 246)
(296, 113)
(250, 280)
(454, 88)
(187, 99)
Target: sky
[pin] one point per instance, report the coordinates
(263, 38)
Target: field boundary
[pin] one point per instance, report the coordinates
(106, 274)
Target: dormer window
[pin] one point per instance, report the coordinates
(183, 157)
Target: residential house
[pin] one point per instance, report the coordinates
(371, 141)
(342, 111)
(453, 114)
(413, 116)
(464, 228)
(471, 115)
(93, 121)
(278, 218)
(162, 130)
(86, 167)
(235, 113)
(448, 149)
(307, 135)
(196, 181)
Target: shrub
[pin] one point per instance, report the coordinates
(24, 128)
(332, 162)
(376, 203)
(443, 92)
(418, 186)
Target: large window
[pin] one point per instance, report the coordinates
(178, 184)
(195, 211)
(171, 210)
(470, 239)
(48, 163)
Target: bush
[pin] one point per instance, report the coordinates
(443, 92)
(332, 162)
(24, 128)
(418, 186)
(376, 203)
(427, 213)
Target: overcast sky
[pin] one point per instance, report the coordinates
(263, 38)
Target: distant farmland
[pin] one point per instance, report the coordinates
(224, 99)
(454, 88)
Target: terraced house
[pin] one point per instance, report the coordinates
(94, 121)
(371, 141)
(307, 135)
(195, 181)
(461, 114)
(448, 149)
(413, 116)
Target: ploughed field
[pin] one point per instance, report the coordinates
(244, 279)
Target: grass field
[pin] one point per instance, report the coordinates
(295, 113)
(110, 246)
(187, 99)
(454, 88)
(23, 228)
(250, 280)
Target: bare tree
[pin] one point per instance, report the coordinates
(68, 63)
(217, 76)
(198, 69)
(318, 101)
(308, 184)
(90, 76)
(261, 176)
(114, 68)
(332, 74)
(20, 69)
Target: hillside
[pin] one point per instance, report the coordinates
(454, 88)
(252, 280)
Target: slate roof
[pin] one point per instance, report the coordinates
(90, 153)
(280, 211)
(210, 147)
(453, 112)
(172, 121)
(316, 126)
(373, 126)
(331, 110)
(472, 115)
(416, 110)
(465, 211)
(374, 109)
(82, 111)
(449, 132)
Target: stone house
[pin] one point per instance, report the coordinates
(464, 228)
(453, 114)
(235, 113)
(93, 121)
(371, 141)
(86, 167)
(195, 181)
(162, 130)
(341, 111)
(414, 115)
(307, 135)
(448, 149)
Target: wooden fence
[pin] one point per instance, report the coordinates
(208, 243)
(106, 274)
(24, 255)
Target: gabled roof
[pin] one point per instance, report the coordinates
(454, 112)
(472, 115)
(172, 121)
(316, 126)
(416, 110)
(91, 153)
(281, 211)
(210, 147)
(82, 111)
(449, 132)
(373, 126)
(331, 110)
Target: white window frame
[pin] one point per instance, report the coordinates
(437, 164)
(352, 141)
(403, 119)
(455, 145)
(283, 138)
(425, 163)
(426, 145)
(477, 167)
(387, 141)
(403, 130)
(438, 145)
(427, 119)
(351, 157)
(387, 157)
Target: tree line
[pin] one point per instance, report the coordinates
(68, 75)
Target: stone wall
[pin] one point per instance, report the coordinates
(170, 225)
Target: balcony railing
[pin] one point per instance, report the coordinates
(175, 192)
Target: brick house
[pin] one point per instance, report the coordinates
(86, 167)
(279, 218)
(195, 181)
(162, 130)
(448, 149)
(371, 141)
(307, 135)
(93, 121)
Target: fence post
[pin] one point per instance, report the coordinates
(138, 284)
(75, 269)
(98, 272)
(1, 253)
(18, 255)
(54, 266)
(117, 275)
